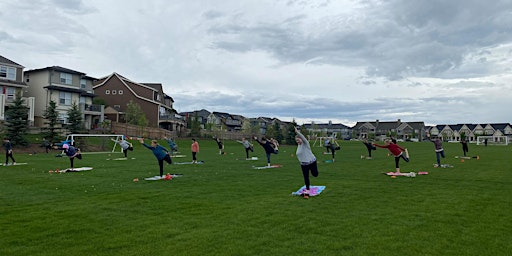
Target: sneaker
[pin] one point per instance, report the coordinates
(14, 163)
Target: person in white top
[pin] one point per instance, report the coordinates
(306, 158)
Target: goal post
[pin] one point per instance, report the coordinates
(492, 140)
(98, 141)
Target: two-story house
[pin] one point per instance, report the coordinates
(455, 132)
(329, 129)
(11, 83)
(202, 117)
(398, 129)
(65, 87)
(225, 121)
(118, 91)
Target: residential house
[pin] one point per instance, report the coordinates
(339, 131)
(11, 82)
(65, 87)
(202, 117)
(225, 121)
(454, 132)
(168, 116)
(118, 91)
(397, 129)
(262, 124)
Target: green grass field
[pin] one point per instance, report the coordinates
(225, 207)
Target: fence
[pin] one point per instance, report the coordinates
(138, 131)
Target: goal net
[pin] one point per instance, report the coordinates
(492, 140)
(96, 143)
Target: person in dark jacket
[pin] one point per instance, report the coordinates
(268, 146)
(8, 151)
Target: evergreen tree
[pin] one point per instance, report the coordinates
(290, 135)
(17, 121)
(278, 133)
(74, 119)
(51, 115)
(270, 132)
(195, 126)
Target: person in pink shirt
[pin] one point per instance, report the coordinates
(397, 151)
(195, 149)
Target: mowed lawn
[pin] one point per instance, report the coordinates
(225, 207)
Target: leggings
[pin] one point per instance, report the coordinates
(247, 152)
(167, 158)
(438, 156)
(194, 158)
(305, 172)
(72, 159)
(7, 155)
(465, 148)
(268, 155)
(397, 160)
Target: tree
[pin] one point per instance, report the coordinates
(195, 126)
(74, 119)
(134, 114)
(290, 135)
(17, 121)
(270, 132)
(276, 132)
(99, 101)
(246, 127)
(51, 115)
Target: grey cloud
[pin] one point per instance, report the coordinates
(211, 15)
(74, 6)
(4, 36)
(397, 39)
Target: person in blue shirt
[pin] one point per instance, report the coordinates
(72, 153)
(172, 145)
(161, 154)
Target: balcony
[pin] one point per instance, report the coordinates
(91, 109)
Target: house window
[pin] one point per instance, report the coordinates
(62, 118)
(82, 100)
(83, 83)
(66, 78)
(8, 72)
(65, 98)
(10, 93)
(120, 92)
(107, 91)
(114, 92)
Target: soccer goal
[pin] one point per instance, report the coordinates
(96, 143)
(492, 140)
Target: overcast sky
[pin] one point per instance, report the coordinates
(437, 61)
